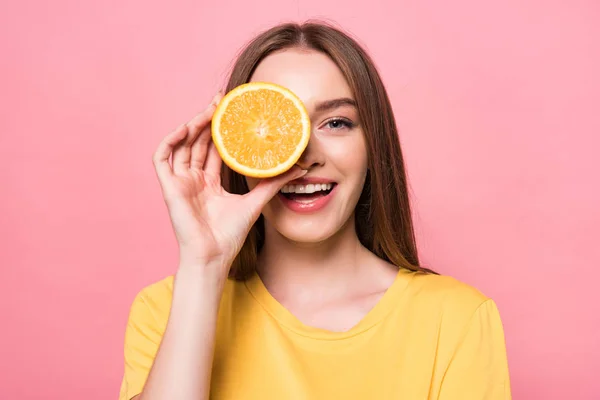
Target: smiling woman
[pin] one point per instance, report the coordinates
(336, 153)
(306, 285)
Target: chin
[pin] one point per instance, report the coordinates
(305, 229)
(309, 228)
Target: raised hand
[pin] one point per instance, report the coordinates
(210, 224)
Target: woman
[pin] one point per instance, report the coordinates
(325, 297)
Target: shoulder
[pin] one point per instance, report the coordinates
(152, 304)
(158, 294)
(447, 312)
(449, 301)
(465, 329)
(446, 291)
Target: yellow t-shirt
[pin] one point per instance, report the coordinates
(429, 337)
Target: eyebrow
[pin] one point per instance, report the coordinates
(335, 103)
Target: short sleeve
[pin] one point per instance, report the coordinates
(142, 339)
(479, 368)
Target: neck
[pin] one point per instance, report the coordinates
(286, 266)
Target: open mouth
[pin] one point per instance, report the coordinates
(307, 193)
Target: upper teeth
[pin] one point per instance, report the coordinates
(310, 188)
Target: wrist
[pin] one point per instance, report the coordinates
(192, 258)
(204, 278)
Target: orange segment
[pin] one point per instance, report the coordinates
(260, 129)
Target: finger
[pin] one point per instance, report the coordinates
(200, 147)
(164, 151)
(182, 153)
(199, 151)
(267, 188)
(213, 161)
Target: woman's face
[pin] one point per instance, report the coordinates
(318, 205)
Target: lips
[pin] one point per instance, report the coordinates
(307, 194)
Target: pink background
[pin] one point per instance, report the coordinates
(498, 106)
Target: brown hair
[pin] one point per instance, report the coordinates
(383, 217)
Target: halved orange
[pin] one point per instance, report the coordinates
(260, 129)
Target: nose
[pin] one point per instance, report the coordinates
(312, 156)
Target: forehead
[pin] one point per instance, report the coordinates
(310, 74)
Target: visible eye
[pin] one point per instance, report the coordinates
(337, 124)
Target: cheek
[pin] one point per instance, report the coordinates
(352, 157)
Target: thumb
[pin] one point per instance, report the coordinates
(258, 197)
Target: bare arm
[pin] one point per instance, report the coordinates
(182, 367)
(210, 226)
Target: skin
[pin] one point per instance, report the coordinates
(314, 265)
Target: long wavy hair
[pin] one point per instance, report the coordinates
(383, 215)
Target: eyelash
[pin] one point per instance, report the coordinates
(346, 122)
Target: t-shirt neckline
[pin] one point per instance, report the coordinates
(284, 317)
